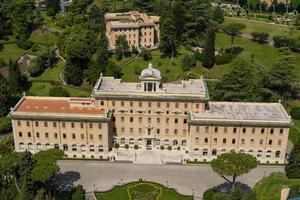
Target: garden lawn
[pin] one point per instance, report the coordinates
(272, 29)
(51, 74)
(270, 187)
(12, 51)
(122, 192)
(42, 38)
(264, 54)
(171, 70)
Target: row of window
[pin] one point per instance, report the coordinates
(150, 104)
(158, 120)
(65, 147)
(64, 135)
(157, 131)
(214, 152)
(175, 142)
(63, 124)
(235, 129)
(233, 141)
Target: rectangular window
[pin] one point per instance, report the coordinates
(167, 131)
(55, 135)
(185, 105)
(279, 142)
(73, 136)
(149, 104)
(176, 121)
(168, 105)
(158, 131)
(131, 130)
(36, 124)
(140, 119)
(100, 126)
(54, 124)
(281, 131)
(262, 131)
(175, 131)
(64, 135)
(167, 120)
(81, 125)
(216, 129)
(91, 125)
(205, 140)
(113, 103)
(270, 142)
(233, 141)
(20, 134)
(27, 123)
(140, 130)
(252, 141)
(131, 119)
(29, 134)
(242, 141)
(72, 125)
(19, 123)
(224, 140)
(91, 136)
(225, 129)
(197, 105)
(140, 104)
(185, 121)
(176, 105)
(234, 130)
(122, 103)
(215, 140)
(46, 135)
(45, 124)
(82, 136)
(206, 129)
(37, 134)
(63, 124)
(158, 105)
(102, 103)
(197, 129)
(271, 131)
(244, 130)
(131, 103)
(100, 137)
(158, 120)
(253, 130)
(122, 119)
(149, 119)
(261, 141)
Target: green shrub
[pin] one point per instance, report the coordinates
(57, 91)
(261, 37)
(35, 47)
(36, 70)
(294, 191)
(295, 113)
(199, 56)
(117, 145)
(136, 146)
(208, 194)
(2, 63)
(178, 148)
(162, 147)
(146, 54)
(188, 62)
(24, 44)
(126, 146)
(224, 58)
(169, 148)
(78, 193)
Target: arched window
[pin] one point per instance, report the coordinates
(183, 142)
(175, 142)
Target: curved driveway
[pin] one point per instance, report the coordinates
(184, 178)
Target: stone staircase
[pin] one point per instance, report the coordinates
(90, 196)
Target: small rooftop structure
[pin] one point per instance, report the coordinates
(241, 112)
(151, 86)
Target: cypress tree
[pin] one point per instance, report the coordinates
(15, 79)
(4, 96)
(209, 48)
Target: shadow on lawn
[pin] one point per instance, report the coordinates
(226, 187)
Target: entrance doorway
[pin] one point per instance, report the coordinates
(149, 144)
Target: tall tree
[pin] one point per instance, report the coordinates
(239, 84)
(209, 48)
(234, 29)
(168, 40)
(4, 96)
(282, 77)
(53, 7)
(233, 165)
(122, 47)
(292, 169)
(15, 79)
(143, 5)
(198, 18)
(179, 17)
(73, 74)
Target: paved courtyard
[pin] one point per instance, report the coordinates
(184, 178)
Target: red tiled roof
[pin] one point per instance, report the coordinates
(39, 105)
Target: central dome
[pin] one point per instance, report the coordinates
(150, 73)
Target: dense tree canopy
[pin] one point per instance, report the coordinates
(4, 96)
(239, 84)
(209, 48)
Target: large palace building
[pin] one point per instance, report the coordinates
(139, 29)
(151, 115)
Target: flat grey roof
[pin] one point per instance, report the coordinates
(242, 111)
(192, 86)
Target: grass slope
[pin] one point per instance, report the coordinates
(269, 188)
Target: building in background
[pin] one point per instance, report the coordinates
(139, 29)
(151, 115)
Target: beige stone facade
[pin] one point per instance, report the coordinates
(151, 115)
(139, 29)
